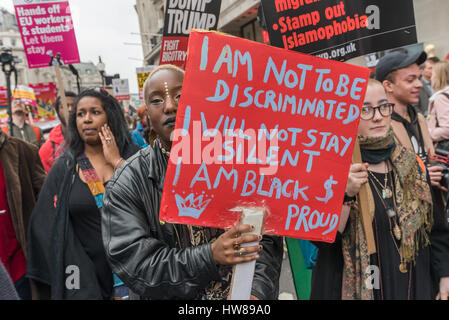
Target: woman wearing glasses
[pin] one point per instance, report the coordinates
(66, 259)
(400, 204)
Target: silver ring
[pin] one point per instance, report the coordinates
(108, 139)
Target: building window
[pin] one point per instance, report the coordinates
(13, 42)
(1, 42)
(248, 31)
(20, 76)
(161, 14)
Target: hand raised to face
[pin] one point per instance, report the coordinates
(110, 148)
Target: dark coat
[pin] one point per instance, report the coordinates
(24, 176)
(7, 290)
(328, 272)
(52, 243)
(146, 254)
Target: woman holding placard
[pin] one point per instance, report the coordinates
(403, 222)
(159, 260)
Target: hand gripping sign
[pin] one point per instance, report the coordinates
(259, 126)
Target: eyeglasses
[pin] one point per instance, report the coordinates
(18, 101)
(385, 110)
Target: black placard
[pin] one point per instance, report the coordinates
(340, 30)
(183, 15)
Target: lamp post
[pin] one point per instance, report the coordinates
(8, 61)
(101, 68)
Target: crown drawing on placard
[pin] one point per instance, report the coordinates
(191, 206)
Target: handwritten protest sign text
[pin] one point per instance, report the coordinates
(260, 126)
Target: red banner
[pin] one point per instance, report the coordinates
(46, 95)
(174, 51)
(266, 127)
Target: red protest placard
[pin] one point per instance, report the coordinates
(174, 51)
(262, 126)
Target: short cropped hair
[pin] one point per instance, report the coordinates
(142, 112)
(58, 101)
(159, 68)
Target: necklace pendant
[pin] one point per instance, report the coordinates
(391, 213)
(387, 193)
(397, 232)
(403, 268)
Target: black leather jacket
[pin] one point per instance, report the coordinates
(147, 254)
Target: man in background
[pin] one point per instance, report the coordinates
(54, 146)
(20, 128)
(426, 91)
(138, 135)
(21, 178)
(400, 75)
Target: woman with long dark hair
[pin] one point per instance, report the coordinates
(66, 259)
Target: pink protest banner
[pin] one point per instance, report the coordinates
(259, 126)
(47, 31)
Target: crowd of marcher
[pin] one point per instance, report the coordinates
(79, 213)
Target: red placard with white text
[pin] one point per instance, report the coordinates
(266, 127)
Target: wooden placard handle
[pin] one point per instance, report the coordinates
(363, 204)
(243, 273)
(61, 90)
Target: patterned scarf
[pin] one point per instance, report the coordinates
(96, 187)
(376, 150)
(216, 290)
(414, 210)
(94, 183)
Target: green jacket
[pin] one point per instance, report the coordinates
(28, 134)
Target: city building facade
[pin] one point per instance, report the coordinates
(432, 27)
(239, 18)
